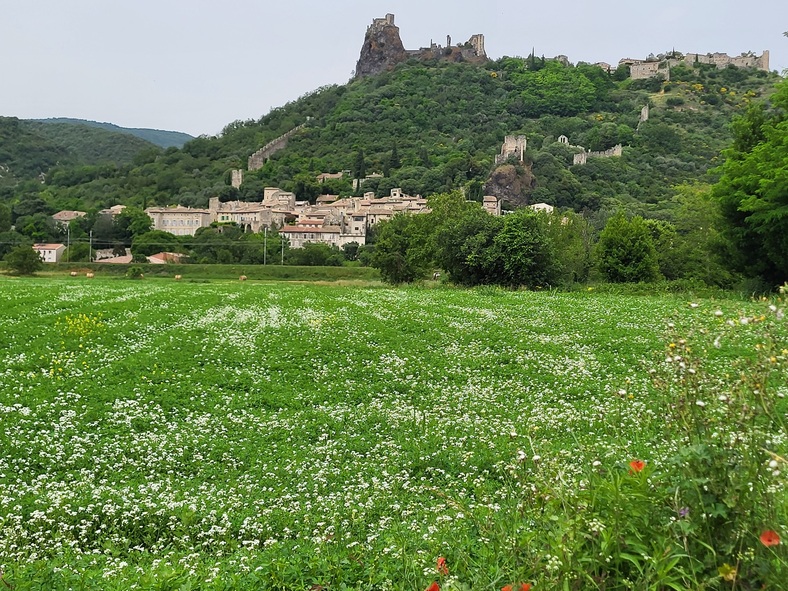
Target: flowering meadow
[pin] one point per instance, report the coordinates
(178, 435)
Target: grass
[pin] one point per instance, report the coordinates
(203, 272)
(174, 435)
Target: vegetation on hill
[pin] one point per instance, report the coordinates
(90, 145)
(157, 137)
(753, 190)
(431, 128)
(29, 149)
(437, 127)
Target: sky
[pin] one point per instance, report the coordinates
(197, 65)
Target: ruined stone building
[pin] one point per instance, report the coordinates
(614, 152)
(513, 145)
(661, 64)
(492, 205)
(383, 49)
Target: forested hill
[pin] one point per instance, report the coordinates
(29, 149)
(430, 128)
(158, 137)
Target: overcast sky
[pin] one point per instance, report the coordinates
(197, 65)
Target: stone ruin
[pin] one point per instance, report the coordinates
(614, 152)
(582, 158)
(383, 49)
(259, 158)
(513, 145)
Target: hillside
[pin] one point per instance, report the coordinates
(29, 148)
(431, 127)
(158, 137)
(23, 154)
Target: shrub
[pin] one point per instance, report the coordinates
(135, 272)
(23, 260)
(626, 251)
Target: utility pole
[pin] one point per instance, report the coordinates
(68, 242)
(265, 244)
(283, 249)
(90, 248)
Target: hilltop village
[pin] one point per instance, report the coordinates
(338, 221)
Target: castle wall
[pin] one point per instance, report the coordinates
(259, 158)
(614, 152)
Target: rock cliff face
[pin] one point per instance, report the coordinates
(382, 49)
(512, 184)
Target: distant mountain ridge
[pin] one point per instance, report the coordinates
(158, 137)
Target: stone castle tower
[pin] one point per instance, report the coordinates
(383, 49)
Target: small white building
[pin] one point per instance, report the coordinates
(544, 207)
(50, 253)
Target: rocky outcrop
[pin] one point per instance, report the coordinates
(382, 49)
(512, 184)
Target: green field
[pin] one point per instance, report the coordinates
(227, 435)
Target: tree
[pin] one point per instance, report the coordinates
(571, 236)
(131, 222)
(316, 254)
(400, 249)
(700, 248)
(77, 252)
(626, 251)
(10, 240)
(154, 242)
(523, 252)
(350, 251)
(39, 226)
(463, 240)
(5, 218)
(753, 190)
(23, 260)
(394, 160)
(30, 205)
(359, 167)
(664, 237)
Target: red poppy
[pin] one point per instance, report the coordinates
(507, 588)
(441, 566)
(770, 538)
(637, 465)
(433, 587)
(525, 587)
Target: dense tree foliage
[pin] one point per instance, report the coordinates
(436, 127)
(401, 253)
(753, 190)
(626, 250)
(29, 148)
(472, 246)
(433, 128)
(23, 260)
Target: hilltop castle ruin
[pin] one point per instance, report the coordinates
(383, 49)
(662, 63)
